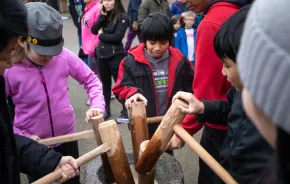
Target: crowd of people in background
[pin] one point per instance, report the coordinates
(220, 56)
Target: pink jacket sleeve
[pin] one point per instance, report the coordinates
(8, 92)
(85, 76)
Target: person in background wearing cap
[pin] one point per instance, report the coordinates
(209, 83)
(38, 82)
(18, 153)
(264, 65)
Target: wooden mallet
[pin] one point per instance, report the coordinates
(161, 138)
(117, 156)
(84, 135)
(138, 126)
(95, 121)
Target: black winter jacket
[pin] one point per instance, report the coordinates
(136, 76)
(111, 39)
(244, 153)
(21, 154)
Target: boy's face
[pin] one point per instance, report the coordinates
(230, 71)
(264, 124)
(198, 6)
(189, 21)
(156, 48)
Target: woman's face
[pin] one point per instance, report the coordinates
(264, 124)
(109, 4)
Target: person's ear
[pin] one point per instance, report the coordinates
(21, 42)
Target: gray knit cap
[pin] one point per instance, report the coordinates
(264, 59)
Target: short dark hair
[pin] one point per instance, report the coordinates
(228, 37)
(157, 27)
(13, 21)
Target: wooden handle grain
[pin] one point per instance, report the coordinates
(156, 119)
(204, 155)
(95, 121)
(138, 126)
(88, 134)
(57, 174)
(117, 157)
(161, 138)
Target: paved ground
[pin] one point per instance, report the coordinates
(78, 98)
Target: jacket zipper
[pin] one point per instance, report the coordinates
(47, 99)
(238, 133)
(113, 49)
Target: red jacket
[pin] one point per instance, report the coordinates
(209, 83)
(136, 76)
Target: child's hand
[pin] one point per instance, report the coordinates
(175, 143)
(92, 112)
(35, 137)
(104, 11)
(69, 168)
(195, 106)
(135, 98)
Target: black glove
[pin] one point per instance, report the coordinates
(82, 55)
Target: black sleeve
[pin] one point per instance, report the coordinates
(125, 86)
(98, 24)
(117, 37)
(216, 112)
(188, 81)
(35, 159)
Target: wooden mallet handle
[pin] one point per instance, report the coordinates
(57, 174)
(88, 134)
(95, 121)
(156, 119)
(138, 126)
(161, 138)
(204, 155)
(117, 156)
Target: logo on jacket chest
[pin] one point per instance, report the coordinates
(85, 22)
(160, 78)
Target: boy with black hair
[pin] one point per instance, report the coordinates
(244, 153)
(153, 70)
(209, 83)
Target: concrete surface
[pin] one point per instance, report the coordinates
(78, 99)
(167, 170)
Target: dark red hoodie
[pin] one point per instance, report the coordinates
(209, 83)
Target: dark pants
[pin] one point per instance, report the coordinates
(211, 141)
(130, 37)
(107, 69)
(67, 149)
